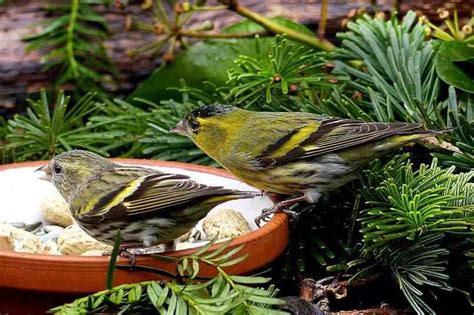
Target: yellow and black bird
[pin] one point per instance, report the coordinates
(149, 207)
(292, 153)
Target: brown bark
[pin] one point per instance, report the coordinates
(22, 73)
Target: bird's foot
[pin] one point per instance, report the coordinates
(264, 216)
(124, 251)
(131, 251)
(143, 251)
(131, 258)
(282, 206)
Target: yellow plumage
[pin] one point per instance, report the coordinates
(298, 154)
(149, 207)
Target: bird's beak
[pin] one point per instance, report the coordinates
(47, 172)
(180, 128)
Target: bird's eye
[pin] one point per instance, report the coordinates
(57, 169)
(194, 125)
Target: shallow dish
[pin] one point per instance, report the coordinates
(82, 275)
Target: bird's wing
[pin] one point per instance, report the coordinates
(329, 135)
(149, 193)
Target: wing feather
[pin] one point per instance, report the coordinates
(153, 193)
(335, 134)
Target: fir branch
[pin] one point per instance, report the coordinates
(408, 216)
(272, 78)
(222, 294)
(160, 144)
(311, 41)
(400, 73)
(75, 48)
(460, 118)
(289, 77)
(122, 117)
(400, 83)
(43, 133)
(110, 128)
(170, 26)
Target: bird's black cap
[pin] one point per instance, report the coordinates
(211, 110)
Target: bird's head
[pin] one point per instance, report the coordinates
(210, 126)
(69, 171)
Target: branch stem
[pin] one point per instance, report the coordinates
(208, 8)
(323, 19)
(192, 34)
(280, 29)
(70, 38)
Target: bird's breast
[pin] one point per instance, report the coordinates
(321, 174)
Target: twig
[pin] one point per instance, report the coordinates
(70, 38)
(184, 33)
(277, 28)
(323, 19)
(207, 8)
(156, 271)
(396, 5)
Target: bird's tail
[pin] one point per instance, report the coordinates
(408, 136)
(427, 138)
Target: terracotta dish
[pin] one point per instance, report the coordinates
(26, 279)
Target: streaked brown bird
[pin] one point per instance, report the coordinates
(147, 206)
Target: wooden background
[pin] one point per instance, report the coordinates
(21, 73)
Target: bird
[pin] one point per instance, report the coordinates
(296, 154)
(147, 206)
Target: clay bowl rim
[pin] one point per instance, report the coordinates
(270, 227)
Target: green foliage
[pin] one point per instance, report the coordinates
(455, 54)
(108, 128)
(74, 40)
(257, 81)
(400, 80)
(222, 294)
(160, 144)
(147, 130)
(409, 214)
(207, 61)
(453, 30)
(454, 63)
(287, 77)
(400, 83)
(322, 238)
(460, 117)
(44, 132)
(128, 122)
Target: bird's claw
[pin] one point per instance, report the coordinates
(268, 212)
(123, 252)
(132, 260)
(131, 252)
(265, 216)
